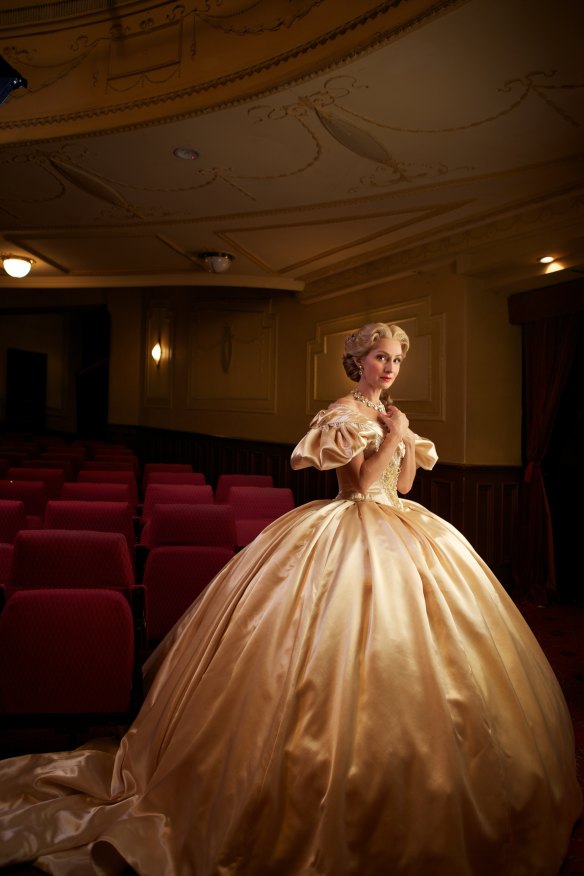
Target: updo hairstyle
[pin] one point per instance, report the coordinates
(362, 341)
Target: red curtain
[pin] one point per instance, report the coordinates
(549, 346)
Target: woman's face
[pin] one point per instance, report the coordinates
(381, 364)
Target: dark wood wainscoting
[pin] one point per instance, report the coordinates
(481, 501)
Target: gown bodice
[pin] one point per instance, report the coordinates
(339, 433)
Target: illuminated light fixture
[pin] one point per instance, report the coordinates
(546, 260)
(553, 266)
(216, 262)
(156, 353)
(17, 266)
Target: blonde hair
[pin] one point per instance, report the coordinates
(359, 343)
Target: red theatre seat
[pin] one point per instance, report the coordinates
(200, 524)
(71, 558)
(32, 494)
(12, 519)
(226, 481)
(177, 477)
(92, 515)
(52, 478)
(66, 652)
(171, 467)
(256, 507)
(110, 476)
(88, 491)
(173, 578)
(175, 494)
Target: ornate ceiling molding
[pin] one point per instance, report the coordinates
(445, 249)
(141, 63)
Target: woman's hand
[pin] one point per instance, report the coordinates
(396, 423)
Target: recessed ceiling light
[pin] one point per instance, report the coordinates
(546, 260)
(186, 153)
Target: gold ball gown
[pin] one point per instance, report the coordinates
(354, 694)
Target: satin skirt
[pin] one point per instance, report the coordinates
(354, 695)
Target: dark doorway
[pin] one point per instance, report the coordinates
(564, 483)
(92, 379)
(26, 390)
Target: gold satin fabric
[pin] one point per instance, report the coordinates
(354, 695)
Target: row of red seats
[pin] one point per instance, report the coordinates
(58, 571)
(121, 484)
(92, 505)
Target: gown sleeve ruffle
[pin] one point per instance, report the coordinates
(335, 437)
(426, 456)
(337, 434)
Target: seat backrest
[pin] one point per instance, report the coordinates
(127, 457)
(226, 481)
(52, 478)
(175, 477)
(108, 465)
(254, 503)
(176, 494)
(111, 476)
(66, 651)
(173, 578)
(70, 558)
(99, 491)
(73, 460)
(63, 465)
(32, 493)
(92, 515)
(12, 519)
(174, 467)
(200, 524)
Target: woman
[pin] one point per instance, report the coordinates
(353, 695)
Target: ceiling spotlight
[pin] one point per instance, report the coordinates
(546, 260)
(216, 262)
(16, 266)
(186, 153)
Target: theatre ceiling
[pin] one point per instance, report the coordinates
(323, 144)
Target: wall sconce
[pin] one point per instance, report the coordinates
(156, 353)
(216, 262)
(16, 266)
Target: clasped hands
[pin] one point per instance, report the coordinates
(396, 423)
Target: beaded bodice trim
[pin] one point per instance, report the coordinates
(384, 490)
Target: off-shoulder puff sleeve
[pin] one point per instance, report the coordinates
(426, 456)
(335, 436)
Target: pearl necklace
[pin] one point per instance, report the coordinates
(365, 401)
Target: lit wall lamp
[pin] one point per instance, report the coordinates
(16, 266)
(216, 262)
(550, 264)
(156, 353)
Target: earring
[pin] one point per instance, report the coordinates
(360, 370)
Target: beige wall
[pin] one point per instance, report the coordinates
(258, 368)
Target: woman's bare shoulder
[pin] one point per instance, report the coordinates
(346, 401)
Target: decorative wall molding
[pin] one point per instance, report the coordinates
(232, 357)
